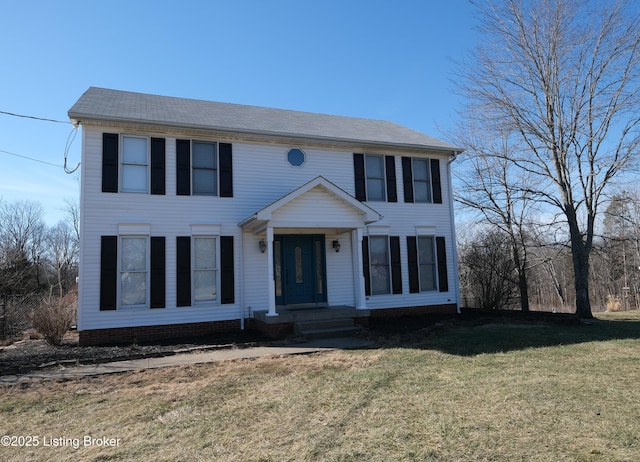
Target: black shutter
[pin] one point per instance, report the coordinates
(407, 179)
(412, 254)
(183, 271)
(435, 181)
(360, 178)
(226, 169)
(158, 166)
(396, 268)
(227, 277)
(392, 193)
(158, 272)
(365, 265)
(110, 162)
(443, 279)
(183, 167)
(108, 272)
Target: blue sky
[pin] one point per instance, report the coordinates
(364, 58)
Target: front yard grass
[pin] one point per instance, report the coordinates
(481, 392)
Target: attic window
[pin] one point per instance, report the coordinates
(296, 157)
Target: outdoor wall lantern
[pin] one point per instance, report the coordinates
(336, 246)
(262, 245)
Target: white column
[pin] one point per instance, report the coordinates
(272, 283)
(358, 275)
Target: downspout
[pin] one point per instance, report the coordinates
(242, 310)
(453, 228)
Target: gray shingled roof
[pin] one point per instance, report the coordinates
(115, 105)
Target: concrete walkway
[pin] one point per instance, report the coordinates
(198, 357)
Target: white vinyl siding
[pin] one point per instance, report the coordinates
(316, 212)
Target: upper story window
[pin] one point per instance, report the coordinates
(135, 164)
(374, 172)
(204, 168)
(421, 180)
(295, 157)
(375, 177)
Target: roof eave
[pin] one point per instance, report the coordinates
(78, 118)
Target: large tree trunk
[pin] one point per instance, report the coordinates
(580, 257)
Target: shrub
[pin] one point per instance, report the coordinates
(54, 318)
(613, 303)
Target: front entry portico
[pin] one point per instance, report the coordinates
(296, 230)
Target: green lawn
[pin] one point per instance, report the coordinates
(460, 392)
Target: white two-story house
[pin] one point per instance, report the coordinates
(200, 216)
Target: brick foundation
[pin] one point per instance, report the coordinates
(273, 330)
(149, 334)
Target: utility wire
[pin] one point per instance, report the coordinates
(35, 118)
(31, 158)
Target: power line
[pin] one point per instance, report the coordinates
(31, 158)
(35, 118)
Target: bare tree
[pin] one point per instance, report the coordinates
(491, 186)
(563, 76)
(22, 232)
(62, 247)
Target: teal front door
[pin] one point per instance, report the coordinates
(300, 269)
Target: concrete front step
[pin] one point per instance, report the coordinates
(326, 328)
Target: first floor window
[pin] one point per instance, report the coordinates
(379, 263)
(133, 271)
(427, 263)
(205, 269)
(134, 164)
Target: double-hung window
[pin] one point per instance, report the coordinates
(427, 263)
(134, 271)
(375, 177)
(379, 264)
(204, 168)
(421, 180)
(205, 269)
(135, 164)
(374, 167)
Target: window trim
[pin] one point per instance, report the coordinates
(147, 272)
(122, 164)
(288, 160)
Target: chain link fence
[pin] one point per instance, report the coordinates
(14, 314)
